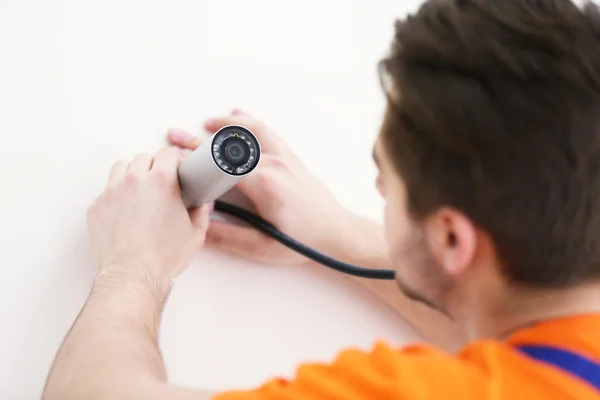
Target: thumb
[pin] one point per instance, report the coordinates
(183, 154)
(241, 240)
(200, 218)
(184, 139)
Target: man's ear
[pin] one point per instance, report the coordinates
(452, 239)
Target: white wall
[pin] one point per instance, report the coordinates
(84, 83)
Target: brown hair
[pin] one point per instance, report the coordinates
(496, 112)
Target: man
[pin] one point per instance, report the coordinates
(489, 163)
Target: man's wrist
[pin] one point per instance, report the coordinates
(358, 241)
(140, 282)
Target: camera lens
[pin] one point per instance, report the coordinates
(235, 151)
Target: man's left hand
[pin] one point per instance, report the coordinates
(139, 227)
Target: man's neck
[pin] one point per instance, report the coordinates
(518, 308)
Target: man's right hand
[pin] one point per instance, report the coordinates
(284, 192)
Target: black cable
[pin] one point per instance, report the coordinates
(270, 230)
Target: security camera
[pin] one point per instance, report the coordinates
(218, 164)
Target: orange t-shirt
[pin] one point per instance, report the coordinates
(486, 369)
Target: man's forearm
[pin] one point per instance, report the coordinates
(112, 345)
(363, 244)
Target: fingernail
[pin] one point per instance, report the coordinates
(211, 207)
(178, 134)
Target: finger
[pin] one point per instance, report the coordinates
(166, 160)
(184, 139)
(200, 218)
(270, 142)
(141, 163)
(272, 161)
(237, 111)
(242, 240)
(183, 153)
(214, 124)
(116, 172)
(186, 152)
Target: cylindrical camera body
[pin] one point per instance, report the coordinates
(218, 164)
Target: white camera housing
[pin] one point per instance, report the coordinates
(218, 164)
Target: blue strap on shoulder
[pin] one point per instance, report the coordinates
(582, 367)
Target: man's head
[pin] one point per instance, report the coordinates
(489, 154)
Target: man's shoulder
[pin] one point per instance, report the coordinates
(482, 370)
(489, 365)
